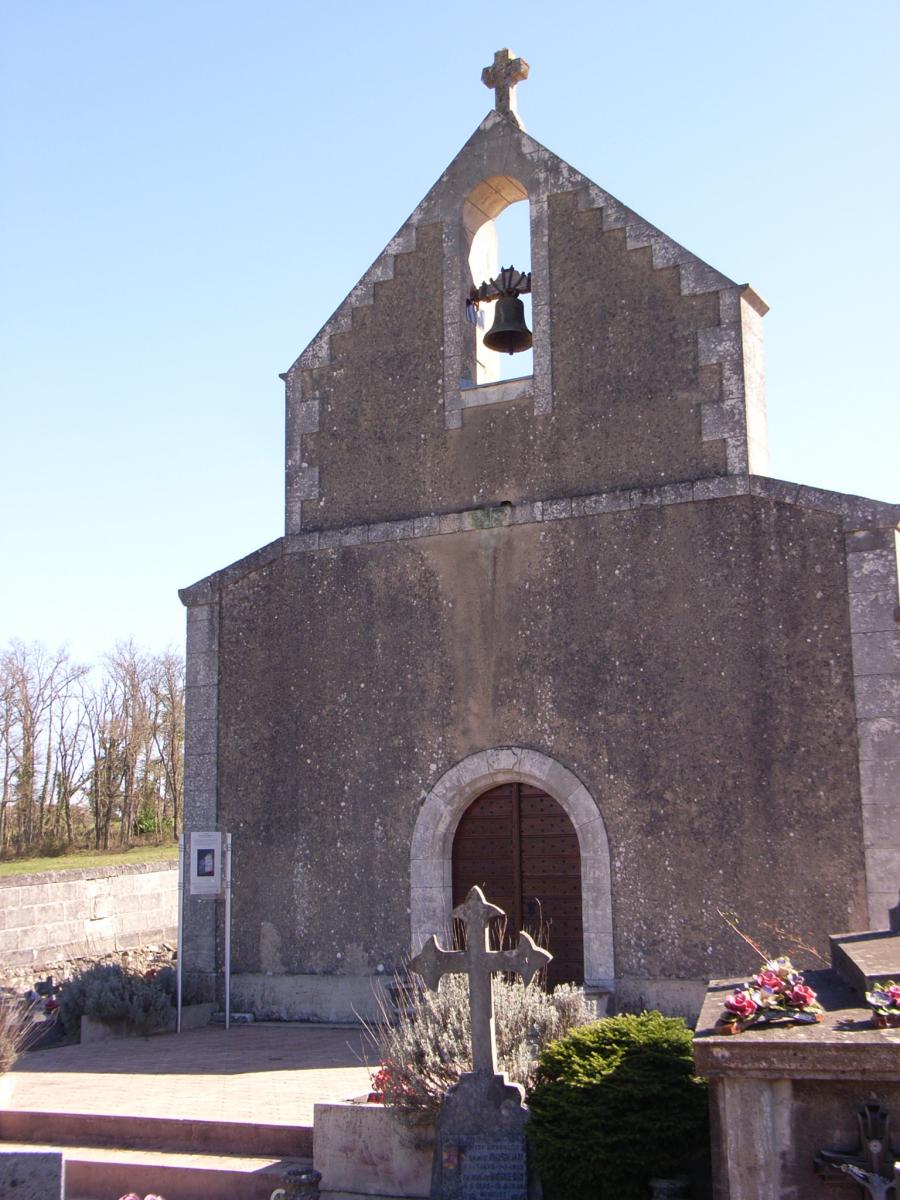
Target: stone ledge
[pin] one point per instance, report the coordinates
(38, 877)
(501, 392)
(857, 513)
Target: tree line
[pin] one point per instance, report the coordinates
(91, 755)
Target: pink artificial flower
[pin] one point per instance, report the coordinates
(800, 996)
(740, 1004)
(894, 994)
(767, 979)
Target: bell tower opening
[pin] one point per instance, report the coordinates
(498, 229)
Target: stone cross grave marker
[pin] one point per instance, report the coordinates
(479, 962)
(480, 1150)
(502, 78)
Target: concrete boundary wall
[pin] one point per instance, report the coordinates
(56, 917)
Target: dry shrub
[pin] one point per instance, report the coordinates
(15, 1028)
(430, 1046)
(107, 992)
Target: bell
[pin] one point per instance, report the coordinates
(509, 334)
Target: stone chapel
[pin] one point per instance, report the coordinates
(557, 634)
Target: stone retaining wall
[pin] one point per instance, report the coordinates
(55, 920)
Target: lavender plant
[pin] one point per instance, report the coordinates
(424, 1052)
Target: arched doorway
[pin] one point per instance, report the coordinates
(517, 843)
(440, 811)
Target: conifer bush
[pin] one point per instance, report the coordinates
(615, 1104)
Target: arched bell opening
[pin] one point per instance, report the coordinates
(498, 234)
(518, 845)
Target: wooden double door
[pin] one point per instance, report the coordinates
(519, 846)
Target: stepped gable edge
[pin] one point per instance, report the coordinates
(735, 416)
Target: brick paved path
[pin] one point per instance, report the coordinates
(270, 1073)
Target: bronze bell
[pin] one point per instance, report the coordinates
(509, 334)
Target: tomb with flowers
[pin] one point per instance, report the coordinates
(804, 1075)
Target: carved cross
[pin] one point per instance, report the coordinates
(502, 77)
(479, 963)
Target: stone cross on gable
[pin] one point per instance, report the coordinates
(503, 76)
(479, 963)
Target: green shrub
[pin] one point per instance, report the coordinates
(616, 1104)
(430, 1045)
(109, 993)
(146, 822)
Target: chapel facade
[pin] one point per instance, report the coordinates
(559, 635)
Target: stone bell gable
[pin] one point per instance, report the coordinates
(647, 362)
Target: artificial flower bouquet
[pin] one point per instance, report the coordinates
(884, 1000)
(776, 995)
(387, 1084)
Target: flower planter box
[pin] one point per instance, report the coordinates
(193, 1016)
(363, 1149)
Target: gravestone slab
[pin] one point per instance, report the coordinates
(862, 959)
(32, 1175)
(480, 1150)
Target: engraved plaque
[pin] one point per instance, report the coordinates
(495, 1168)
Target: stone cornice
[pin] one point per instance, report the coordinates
(856, 512)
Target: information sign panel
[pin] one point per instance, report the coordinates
(205, 865)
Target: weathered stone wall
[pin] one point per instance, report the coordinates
(690, 663)
(629, 389)
(55, 919)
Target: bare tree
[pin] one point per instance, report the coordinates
(36, 683)
(167, 700)
(102, 748)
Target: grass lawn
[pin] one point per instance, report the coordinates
(90, 858)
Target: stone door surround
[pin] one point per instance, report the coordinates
(431, 853)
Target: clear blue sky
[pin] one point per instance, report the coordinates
(190, 188)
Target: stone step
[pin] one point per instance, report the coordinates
(157, 1133)
(106, 1173)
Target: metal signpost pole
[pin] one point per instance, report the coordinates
(180, 946)
(227, 930)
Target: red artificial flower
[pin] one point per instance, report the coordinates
(740, 1004)
(800, 996)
